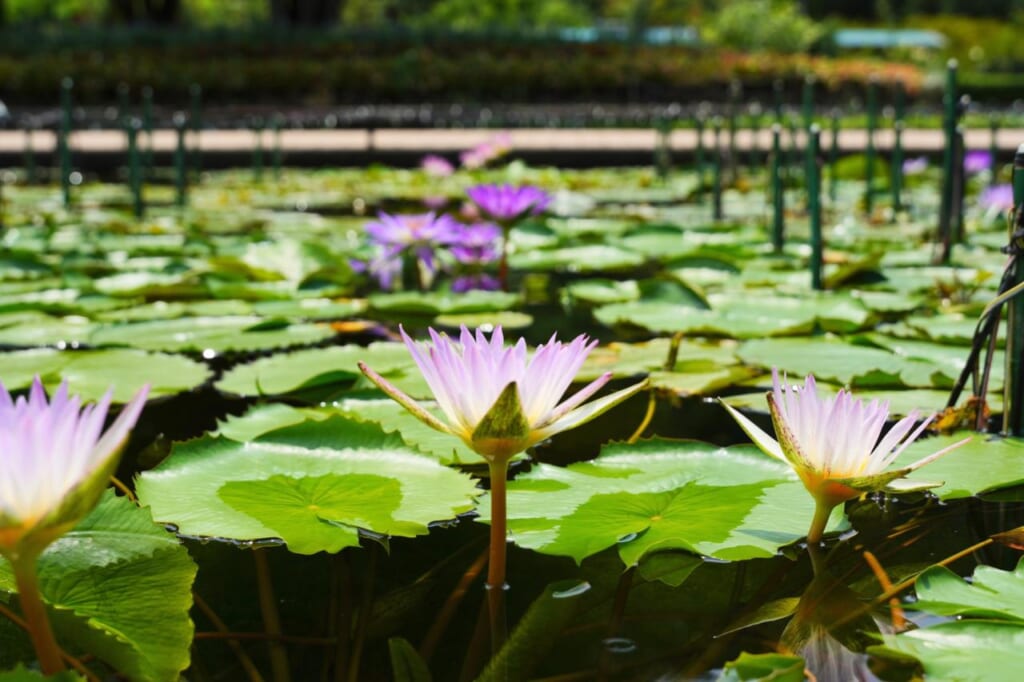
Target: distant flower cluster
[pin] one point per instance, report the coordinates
(480, 156)
(412, 249)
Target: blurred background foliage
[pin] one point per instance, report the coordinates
(542, 48)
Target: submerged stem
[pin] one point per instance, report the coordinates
(34, 611)
(496, 563)
(271, 618)
(822, 512)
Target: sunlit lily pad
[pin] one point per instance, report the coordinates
(91, 373)
(220, 488)
(219, 334)
(992, 593)
(985, 464)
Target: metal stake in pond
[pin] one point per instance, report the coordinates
(778, 93)
(735, 93)
(135, 168)
(64, 139)
(180, 161)
(662, 158)
(896, 168)
(30, 152)
(257, 150)
(716, 169)
(698, 153)
(124, 107)
(899, 102)
(147, 128)
(275, 157)
(807, 106)
(755, 135)
(778, 191)
(833, 160)
(993, 148)
(195, 119)
(869, 151)
(959, 187)
(814, 209)
(1013, 392)
(949, 102)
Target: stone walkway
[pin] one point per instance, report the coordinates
(454, 140)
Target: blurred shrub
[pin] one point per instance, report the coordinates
(764, 26)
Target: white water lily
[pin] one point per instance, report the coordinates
(501, 400)
(55, 462)
(835, 444)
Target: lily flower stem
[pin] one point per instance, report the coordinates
(506, 231)
(496, 563)
(281, 671)
(34, 611)
(822, 512)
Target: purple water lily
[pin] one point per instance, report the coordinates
(997, 197)
(55, 462)
(402, 236)
(480, 281)
(915, 166)
(476, 243)
(505, 205)
(487, 151)
(437, 166)
(977, 161)
(835, 444)
(508, 203)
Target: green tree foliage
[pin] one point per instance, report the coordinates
(763, 26)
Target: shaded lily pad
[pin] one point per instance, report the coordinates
(219, 334)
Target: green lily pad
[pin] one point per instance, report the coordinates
(966, 651)
(759, 504)
(219, 334)
(442, 303)
(985, 464)
(219, 488)
(90, 373)
(594, 258)
(119, 587)
(992, 593)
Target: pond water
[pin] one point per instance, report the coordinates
(653, 543)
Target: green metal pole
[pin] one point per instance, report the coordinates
(778, 95)
(869, 151)
(735, 94)
(275, 125)
(257, 151)
(959, 194)
(807, 106)
(662, 159)
(755, 135)
(698, 153)
(993, 148)
(778, 191)
(64, 139)
(30, 153)
(1013, 391)
(180, 162)
(195, 119)
(949, 103)
(716, 186)
(135, 168)
(123, 105)
(896, 180)
(814, 186)
(147, 128)
(833, 160)
(899, 102)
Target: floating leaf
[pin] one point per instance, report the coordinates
(120, 588)
(215, 487)
(984, 464)
(992, 593)
(966, 651)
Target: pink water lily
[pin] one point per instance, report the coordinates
(53, 453)
(55, 462)
(501, 400)
(835, 444)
